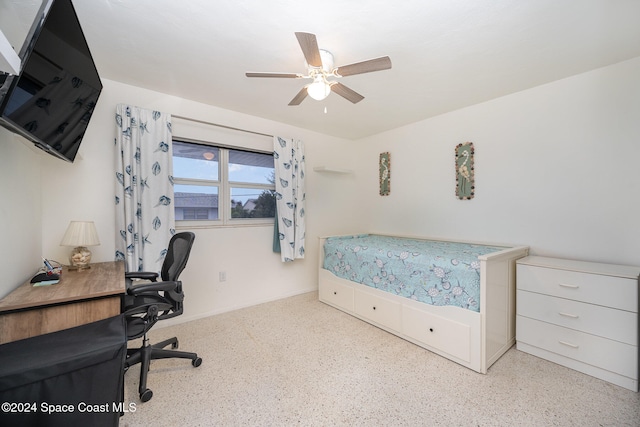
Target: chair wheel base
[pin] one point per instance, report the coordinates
(146, 395)
(196, 362)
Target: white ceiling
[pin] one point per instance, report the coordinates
(446, 54)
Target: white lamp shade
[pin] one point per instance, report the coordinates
(80, 233)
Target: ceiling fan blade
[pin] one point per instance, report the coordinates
(378, 64)
(346, 93)
(309, 46)
(277, 75)
(299, 97)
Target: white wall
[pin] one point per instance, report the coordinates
(556, 168)
(20, 211)
(85, 191)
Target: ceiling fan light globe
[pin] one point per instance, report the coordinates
(318, 90)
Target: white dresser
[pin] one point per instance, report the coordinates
(581, 315)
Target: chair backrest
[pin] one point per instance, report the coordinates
(177, 255)
(149, 306)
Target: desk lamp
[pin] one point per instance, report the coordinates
(80, 234)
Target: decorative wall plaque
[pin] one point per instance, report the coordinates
(465, 186)
(385, 173)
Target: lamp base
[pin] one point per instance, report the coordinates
(80, 258)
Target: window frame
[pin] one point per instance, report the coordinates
(224, 186)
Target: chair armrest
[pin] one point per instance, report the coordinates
(152, 287)
(146, 275)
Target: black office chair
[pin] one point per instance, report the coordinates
(149, 302)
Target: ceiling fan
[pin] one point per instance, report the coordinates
(320, 69)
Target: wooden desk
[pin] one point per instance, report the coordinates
(80, 297)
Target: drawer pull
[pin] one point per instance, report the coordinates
(374, 307)
(568, 344)
(573, 316)
(566, 285)
(335, 293)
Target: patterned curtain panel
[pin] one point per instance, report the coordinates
(145, 218)
(290, 196)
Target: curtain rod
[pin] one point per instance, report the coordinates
(222, 126)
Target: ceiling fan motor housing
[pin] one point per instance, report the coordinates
(327, 61)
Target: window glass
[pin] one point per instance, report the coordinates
(195, 202)
(195, 161)
(222, 186)
(252, 203)
(245, 166)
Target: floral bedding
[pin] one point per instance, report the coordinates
(433, 272)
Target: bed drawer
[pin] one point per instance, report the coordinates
(336, 294)
(377, 309)
(619, 325)
(609, 291)
(607, 354)
(446, 335)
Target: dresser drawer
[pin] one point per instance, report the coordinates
(378, 310)
(444, 334)
(609, 291)
(619, 325)
(607, 354)
(337, 294)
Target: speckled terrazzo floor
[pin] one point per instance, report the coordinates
(298, 361)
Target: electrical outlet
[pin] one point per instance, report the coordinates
(223, 276)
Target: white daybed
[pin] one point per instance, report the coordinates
(474, 339)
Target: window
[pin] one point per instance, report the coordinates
(217, 185)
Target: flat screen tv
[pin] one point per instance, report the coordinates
(52, 99)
